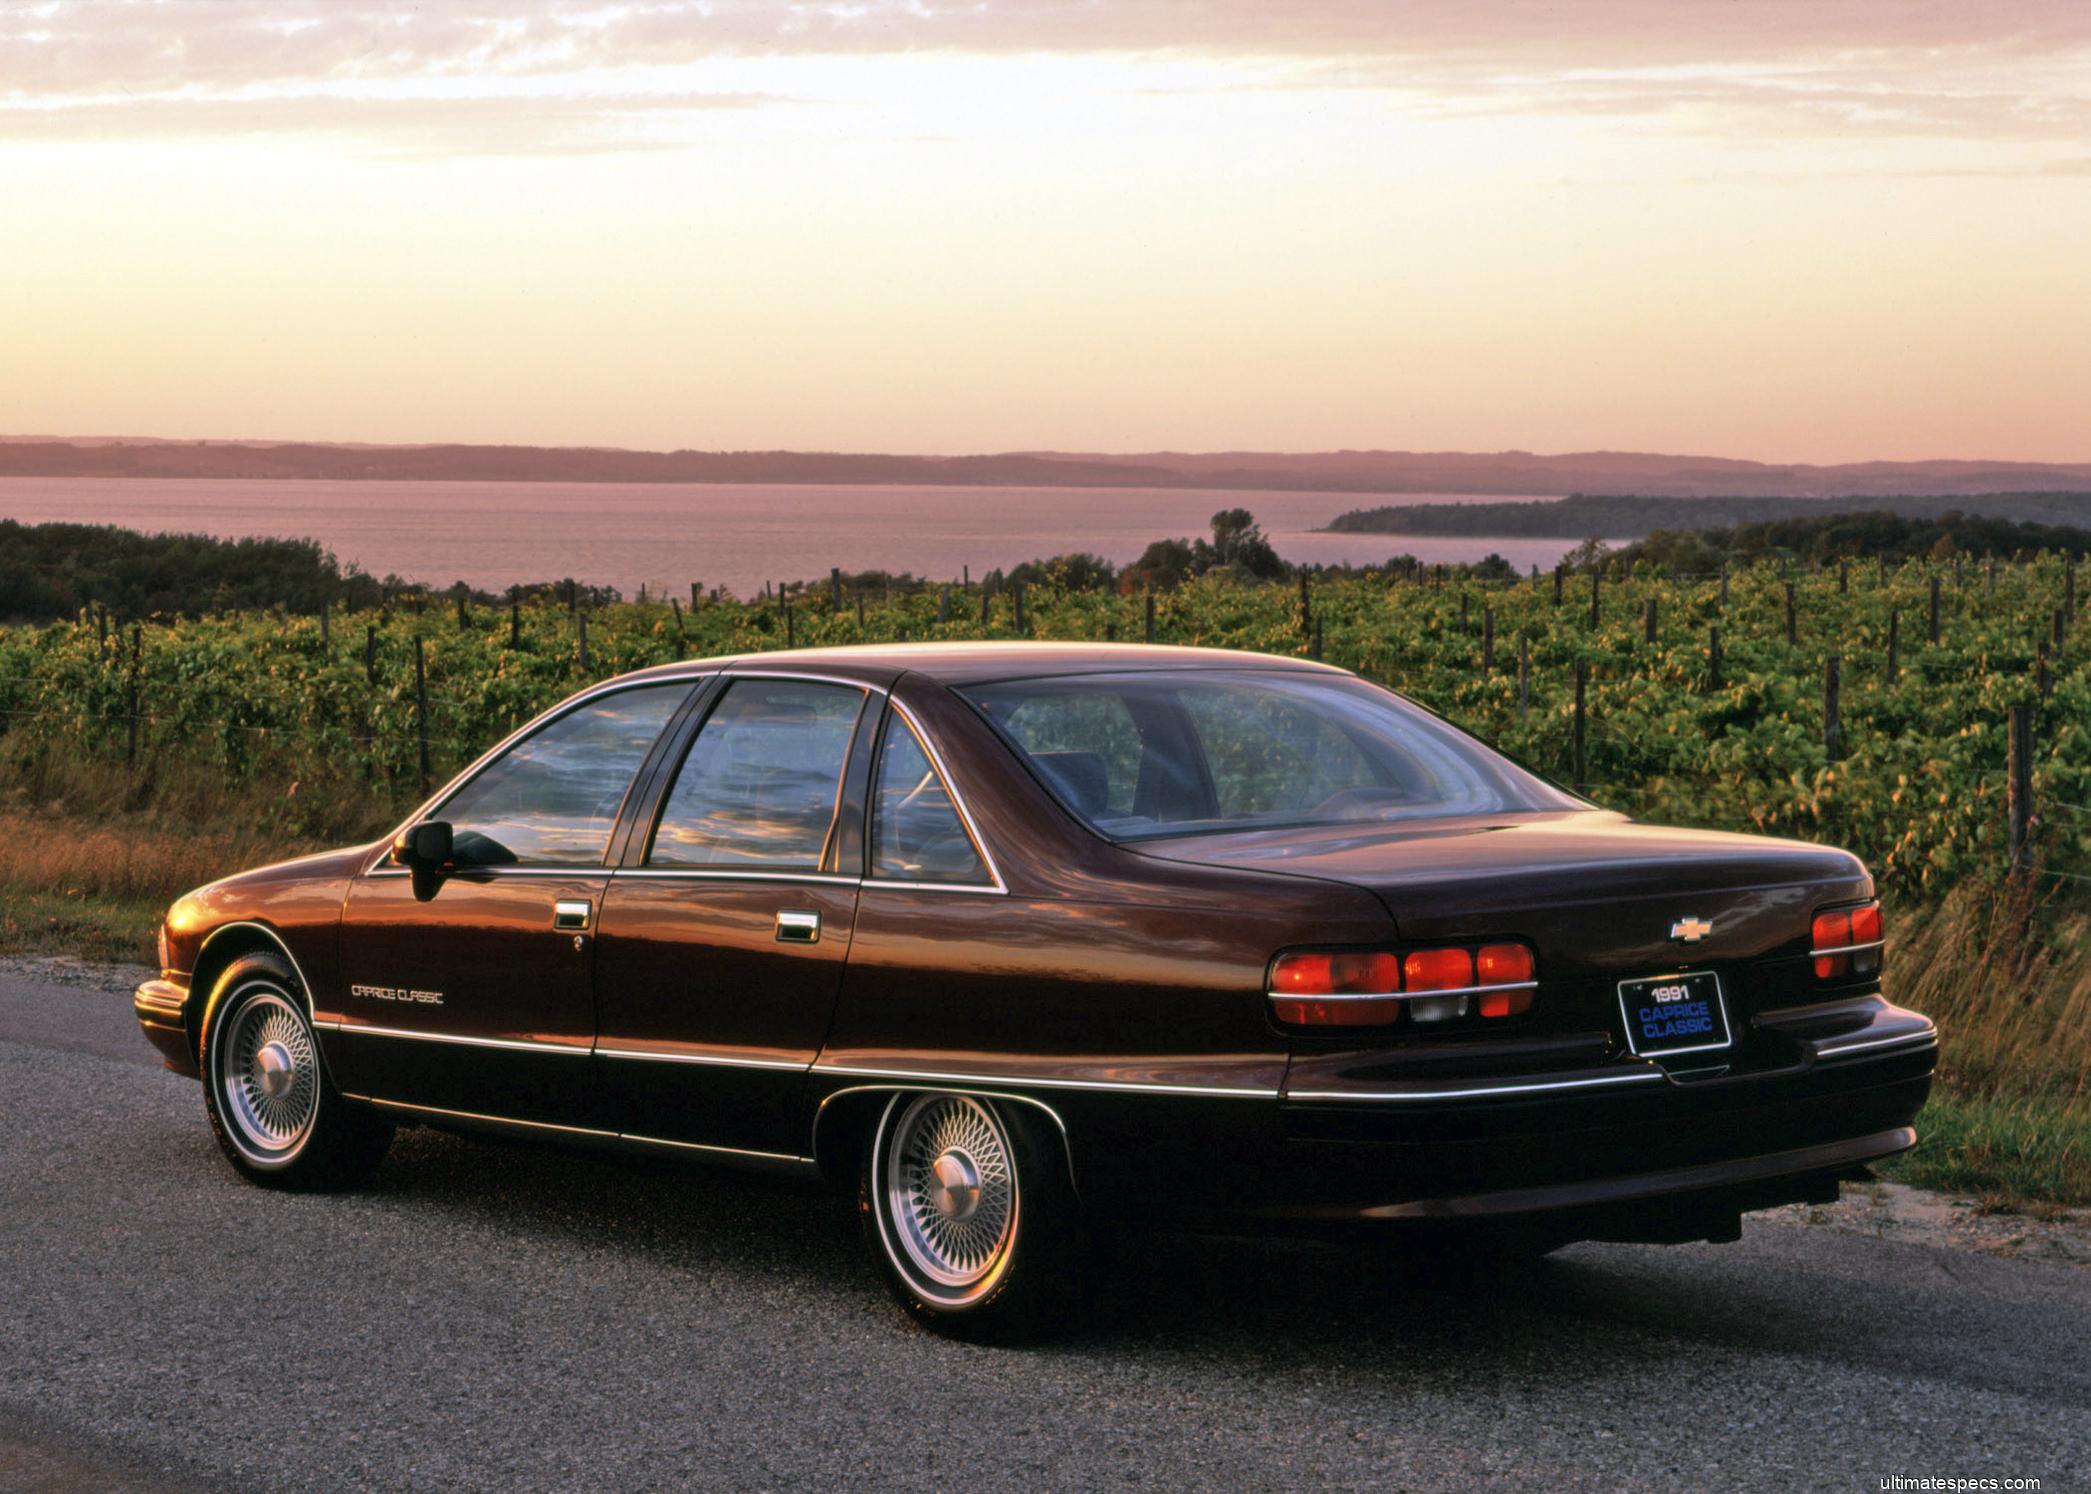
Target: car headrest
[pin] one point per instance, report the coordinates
(1080, 779)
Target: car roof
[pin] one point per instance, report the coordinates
(975, 662)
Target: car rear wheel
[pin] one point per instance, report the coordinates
(275, 1115)
(970, 1215)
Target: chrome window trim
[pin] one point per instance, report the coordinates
(711, 1060)
(1424, 1097)
(1020, 1081)
(1515, 985)
(895, 885)
(542, 718)
(519, 1045)
(722, 874)
(590, 869)
(994, 883)
(758, 672)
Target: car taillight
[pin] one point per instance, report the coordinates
(1373, 988)
(1846, 941)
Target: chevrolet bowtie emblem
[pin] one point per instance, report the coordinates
(1691, 930)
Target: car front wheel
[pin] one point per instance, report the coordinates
(970, 1215)
(275, 1115)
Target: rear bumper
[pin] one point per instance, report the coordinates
(161, 1005)
(1622, 1149)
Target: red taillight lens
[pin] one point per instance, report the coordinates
(1296, 979)
(1505, 1003)
(1345, 972)
(1437, 970)
(1503, 964)
(1839, 929)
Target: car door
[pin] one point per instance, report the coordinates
(476, 995)
(725, 930)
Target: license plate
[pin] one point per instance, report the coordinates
(1674, 1013)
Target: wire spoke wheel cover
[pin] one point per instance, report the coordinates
(267, 1075)
(948, 1194)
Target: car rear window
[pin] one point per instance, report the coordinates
(1178, 753)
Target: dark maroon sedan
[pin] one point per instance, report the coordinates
(1023, 939)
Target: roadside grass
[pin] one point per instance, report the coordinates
(90, 857)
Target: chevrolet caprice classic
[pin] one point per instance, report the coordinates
(1023, 940)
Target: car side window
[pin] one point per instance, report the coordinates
(761, 784)
(1268, 754)
(1086, 742)
(916, 832)
(552, 799)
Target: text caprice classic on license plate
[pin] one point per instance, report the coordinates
(1674, 1013)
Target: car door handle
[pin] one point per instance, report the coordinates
(570, 915)
(797, 926)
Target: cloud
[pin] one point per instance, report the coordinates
(2007, 70)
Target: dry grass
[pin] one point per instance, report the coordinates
(90, 855)
(2006, 973)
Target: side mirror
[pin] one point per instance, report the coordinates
(423, 847)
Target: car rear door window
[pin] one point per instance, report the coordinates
(760, 786)
(552, 799)
(917, 834)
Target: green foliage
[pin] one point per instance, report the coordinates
(1919, 790)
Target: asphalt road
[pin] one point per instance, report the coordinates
(487, 1316)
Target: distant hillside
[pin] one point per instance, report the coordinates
(1511, 473)
(1625, 516)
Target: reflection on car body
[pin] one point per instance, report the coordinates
(1021, 938)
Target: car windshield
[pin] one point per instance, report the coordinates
(1144, 755)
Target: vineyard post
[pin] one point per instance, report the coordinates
(1991, 582)
(1111, 631)
(2069, 591)
(1713, 656)
(515, 620)
(1307, 606)
(1488, 640)
(1559, 572)
(791, 637)
(1597, 580)
(101, 630)
(370, 652)
(1465, 626)
(1581, 775)
(1314, 649)
(986, 601)
(1934, 608)
(1524, 678)
(1960, 576)
(326, 632)
(421, 710)
(464, 615)
(1894, 643)
(695, 598)
(1150, 617)
(1016, 593)
(860, 609)
(573, 597)
(1648, 620)
(2042, 675)
(1832, 689)
(2061, 629)
(1843, 577)
(944, 604)
(2020, 784)
(581, 630)
(1793, 631)
(681, 642)
(835, 590)
(130, 751)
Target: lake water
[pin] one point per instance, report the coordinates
(664, 536)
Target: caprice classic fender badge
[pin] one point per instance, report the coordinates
(397, 993)
(1689, 930)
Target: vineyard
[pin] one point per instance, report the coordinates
(1860, 706)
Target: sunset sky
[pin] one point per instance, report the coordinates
(1785, 229)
